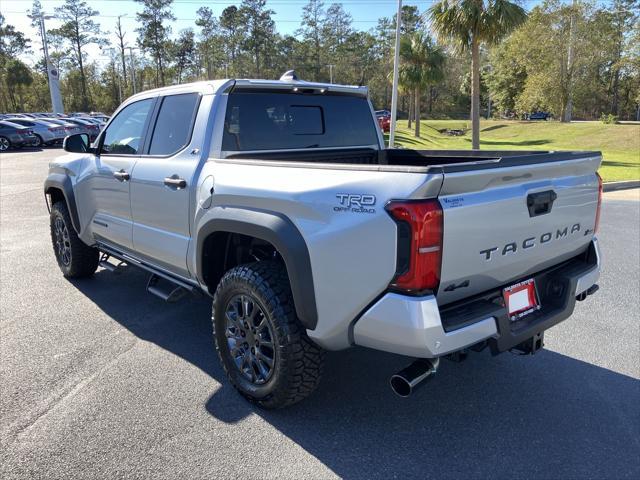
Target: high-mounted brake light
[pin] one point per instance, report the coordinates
(420, 228)
(595, 229)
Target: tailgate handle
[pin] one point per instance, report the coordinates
(540, 203)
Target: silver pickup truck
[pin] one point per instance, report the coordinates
(279, 200)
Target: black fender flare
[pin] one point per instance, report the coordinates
(62, 182)
(279, 231)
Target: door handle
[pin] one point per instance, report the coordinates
(174, 181)
(122, 176)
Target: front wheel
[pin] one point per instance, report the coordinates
(263, 348)
(75, 258)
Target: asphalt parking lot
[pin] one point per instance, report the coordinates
(100, 380)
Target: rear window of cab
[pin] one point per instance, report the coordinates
(278, 121)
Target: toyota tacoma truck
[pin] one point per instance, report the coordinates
(279, 200)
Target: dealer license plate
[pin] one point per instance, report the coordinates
(521, 299)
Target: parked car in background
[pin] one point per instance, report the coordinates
(95, 121)
(13, 135)
(103, 118)
(45, 133)
(539, 116)
(384, 120)
(69, 128)
(89, 128)
(384, 123)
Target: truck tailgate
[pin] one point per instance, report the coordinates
(503, 223)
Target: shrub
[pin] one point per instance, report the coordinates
(608, 118)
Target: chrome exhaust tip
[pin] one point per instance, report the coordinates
(405, 382)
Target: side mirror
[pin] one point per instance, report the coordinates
(78, 143)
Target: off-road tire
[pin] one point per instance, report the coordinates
(83, 259)
(298, 361)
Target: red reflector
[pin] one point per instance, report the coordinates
(425, 220)
(595, 229)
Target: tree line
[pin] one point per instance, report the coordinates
(577, 60)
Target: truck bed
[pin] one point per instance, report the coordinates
(484, 196)
(450, 160)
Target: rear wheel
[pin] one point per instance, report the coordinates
(5, 144)
(75, 258)
(262, 346)
(38, 141)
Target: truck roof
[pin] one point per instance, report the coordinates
(223, 85)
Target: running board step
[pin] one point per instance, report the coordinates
(165, 289)
(107, 265)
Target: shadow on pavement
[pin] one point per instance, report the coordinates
(547, 416)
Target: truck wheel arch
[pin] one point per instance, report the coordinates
(58, 186)
(279, 231)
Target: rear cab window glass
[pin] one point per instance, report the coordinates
(278, 121)
(172, 131)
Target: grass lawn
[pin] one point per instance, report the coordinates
(619, 144)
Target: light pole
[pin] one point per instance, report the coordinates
(52, 72)
(396, 65)
(490, 68)
(331, 65)
(567, 114)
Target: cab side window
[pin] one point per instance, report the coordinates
(124, 135)
(172, 131)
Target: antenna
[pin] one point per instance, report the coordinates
(289, 76)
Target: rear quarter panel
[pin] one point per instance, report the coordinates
(353, 254)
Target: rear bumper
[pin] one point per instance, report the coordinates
(417, 327)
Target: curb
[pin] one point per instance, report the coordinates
(613, 186)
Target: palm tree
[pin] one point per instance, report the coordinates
(423, 65)
(469, 23)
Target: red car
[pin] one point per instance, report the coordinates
(385, 122)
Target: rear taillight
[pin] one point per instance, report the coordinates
(595, 229)
(419, 257)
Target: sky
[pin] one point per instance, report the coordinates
(287, 16)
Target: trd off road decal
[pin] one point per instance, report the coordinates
(356, 203)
